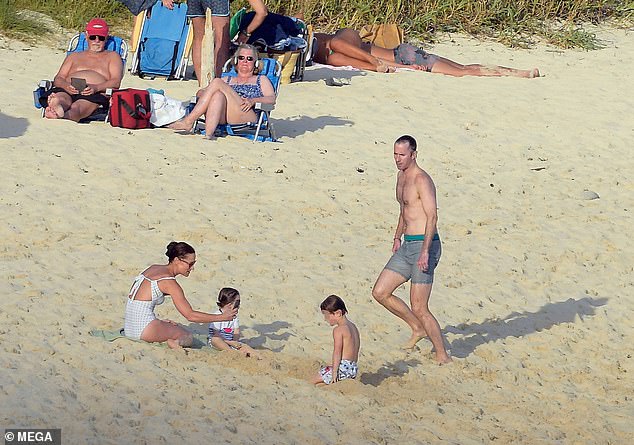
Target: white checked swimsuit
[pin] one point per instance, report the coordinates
(139, 314)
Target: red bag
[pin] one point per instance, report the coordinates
(130, 108)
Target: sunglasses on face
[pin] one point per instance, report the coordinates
(249, 58)
(189, 264)
(101, 38)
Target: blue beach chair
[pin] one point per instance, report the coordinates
(164, 42)
(76, 44)
(262, 130)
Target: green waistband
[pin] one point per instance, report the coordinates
(420, 237)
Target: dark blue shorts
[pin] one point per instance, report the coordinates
(196, 8)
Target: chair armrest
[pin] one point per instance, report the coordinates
(263, 107)
(46, 84)
(108, 91)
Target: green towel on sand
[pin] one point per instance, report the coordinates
(200, 340)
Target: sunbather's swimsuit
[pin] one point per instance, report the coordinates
(407, 54)
(347, 370)
(139, 313)
(405, 259)
(247, 90)
(219, 8)
(96, 98)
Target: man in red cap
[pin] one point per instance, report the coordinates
(95, 68)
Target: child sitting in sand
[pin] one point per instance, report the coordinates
(346, 343)
(225, 335)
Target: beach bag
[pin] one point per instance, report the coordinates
(130, 108)
(385, 35)
(288, 60)
(165, 110)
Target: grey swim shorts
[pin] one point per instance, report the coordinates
(219, 8)
(404, 261)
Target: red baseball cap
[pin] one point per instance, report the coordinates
(97, 27)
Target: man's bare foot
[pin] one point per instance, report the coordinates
(415, 338)
(54, 110)
(180, 125)
(50, 113)
(443, 358)
(534, 73)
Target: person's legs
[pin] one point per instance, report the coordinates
(451, 68)
(57, 105)
(80, 109)
(198, 25)
(221, 42)
(159, 331)
(202, 103)
(220, 104)
(382, 292)
(419, 298)
(348, 49)
(216, 113)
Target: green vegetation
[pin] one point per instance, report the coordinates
(514, 22)
(14, 24)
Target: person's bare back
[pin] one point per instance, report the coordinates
(351, 340)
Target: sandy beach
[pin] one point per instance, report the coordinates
(533, 292)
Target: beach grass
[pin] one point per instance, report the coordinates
(15, 24)
(513, 22)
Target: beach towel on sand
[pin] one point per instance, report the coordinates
(200, 340)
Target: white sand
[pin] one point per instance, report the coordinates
(534, 290)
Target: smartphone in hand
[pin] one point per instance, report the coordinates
(79, 83)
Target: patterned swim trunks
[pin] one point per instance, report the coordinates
(347, 370)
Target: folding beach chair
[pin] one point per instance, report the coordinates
(164, 42)
(262, 130)
(76, 44)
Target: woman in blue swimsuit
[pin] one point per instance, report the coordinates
(231, 99)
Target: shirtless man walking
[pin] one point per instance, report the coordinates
(417, 257)
(99, 68)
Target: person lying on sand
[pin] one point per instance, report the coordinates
(345, 48)
(225, 335)
(347, 343)
(97, 68)
(149, 289)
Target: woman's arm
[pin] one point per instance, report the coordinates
(261, 12)
(337, 335)
(182, 305)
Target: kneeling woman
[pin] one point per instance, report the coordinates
(231, 99)
(150, 288)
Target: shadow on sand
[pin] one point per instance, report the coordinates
(519, 324)
(12, 127)
(272, 332)
(276, 331)
(396, 369)
(319, 73)
(298, 125)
